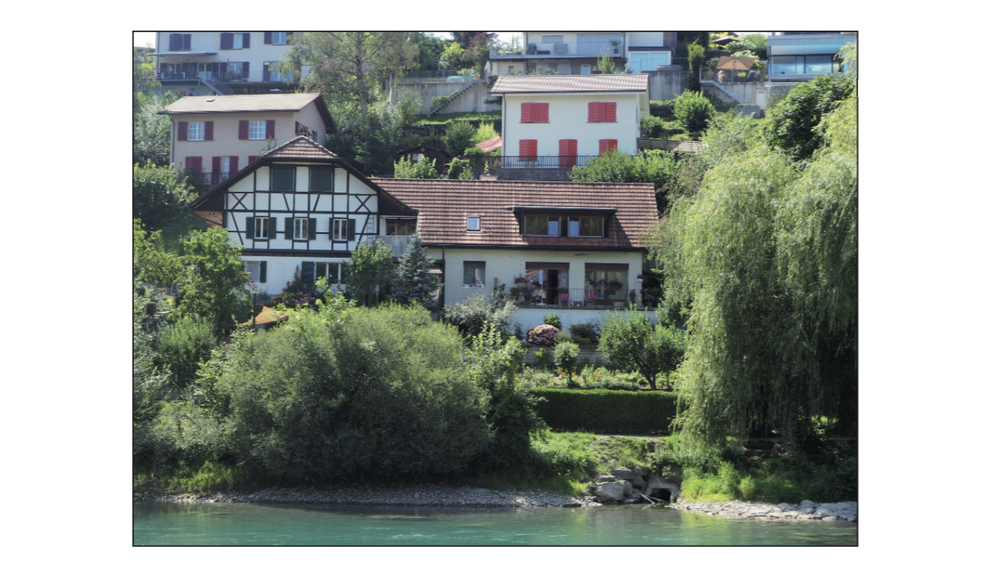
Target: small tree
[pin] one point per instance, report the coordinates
(457, 136)
(694, 111)
(414, 281)
(630, 341)
(160, 195)
(696, 56)
(214, 283)
(369, 272)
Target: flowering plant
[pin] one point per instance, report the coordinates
(543, 335)
(294, 299)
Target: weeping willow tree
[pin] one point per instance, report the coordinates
(767, 255)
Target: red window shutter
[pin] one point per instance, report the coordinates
(267, 37)
(234, 164)
(525, 113)
(182, 131)
(192, 164)
(543, 113)
(612, 144)
(611, 110)
(567, 153)
(528, 149)
(216, 169)
(270, 129)
(244, 129)
(607, 144)
(593, 112)
(246, 40)
(251, 160)
(209, 130)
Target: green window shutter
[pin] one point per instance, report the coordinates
(309, 272)
(263, 272)
(249, 228)
(312, 229)
(272, 228)
(350, 230)
(288, 228)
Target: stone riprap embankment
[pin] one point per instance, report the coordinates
(443, 496)
(806, 510)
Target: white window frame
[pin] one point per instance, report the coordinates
(276, 35)
(330, 266)
(340, 230)
(237, 40)
(253, 267)
(300, 229)
(225, 168)
(261, 227)
(196, 131)
(258, 130)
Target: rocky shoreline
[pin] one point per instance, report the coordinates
(466, 496)
(803, 511)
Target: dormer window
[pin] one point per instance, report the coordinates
(400, 227)
(473, 223)
(586, 226)
(535, 225)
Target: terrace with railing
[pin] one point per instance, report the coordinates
(603, 298)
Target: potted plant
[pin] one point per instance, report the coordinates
(614, 45)
(614, 285)
(562, 290)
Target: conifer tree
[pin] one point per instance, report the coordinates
(414, 279)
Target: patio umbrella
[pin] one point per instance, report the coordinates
(735, 63)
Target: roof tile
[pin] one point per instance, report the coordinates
(444, 205)
(571, 83)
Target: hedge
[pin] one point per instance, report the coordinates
(607, 411)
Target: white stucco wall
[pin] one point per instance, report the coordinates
(568, 115)
(503, 265)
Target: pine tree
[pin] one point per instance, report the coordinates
(414, 280)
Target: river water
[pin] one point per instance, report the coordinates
(160, 523)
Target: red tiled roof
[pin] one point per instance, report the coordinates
(489, 145)
(301, 147)
(444, 205)
(571, 83)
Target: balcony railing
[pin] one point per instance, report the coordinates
(522, 162)
(732, 76)
(597, 298)
(226, 77)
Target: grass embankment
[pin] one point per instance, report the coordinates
(566, 463)
(446, 118)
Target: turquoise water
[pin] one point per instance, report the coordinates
(155, 523)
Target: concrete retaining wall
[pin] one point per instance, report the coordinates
(473, 99)
(666, 84)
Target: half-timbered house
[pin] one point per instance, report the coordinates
(300, 205)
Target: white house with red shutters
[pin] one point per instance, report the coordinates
(216, 136)
(557, 122)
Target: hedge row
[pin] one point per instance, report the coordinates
(607, 411)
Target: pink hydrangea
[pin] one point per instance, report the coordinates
(543, 335)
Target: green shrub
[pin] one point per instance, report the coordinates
(438, 100)
(553, 320)
(588, 329)
(542, 360)
(694, 111)
(607, 411)
(460, 169)
(485, 132)
(652, 126)
(470, 315)
(425, 169)
(458, 136)
(565, 356)
(696, 56)
(183, 345)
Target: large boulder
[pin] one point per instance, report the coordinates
(612, 491)
(622, 473)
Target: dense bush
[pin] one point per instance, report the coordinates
(791, 125)
(423, 170)
(474, 312)
(343, 392)
(607, 411)
(588, 330)
(184, 344)
(694, 111)
(631, 343)
(652, 126)
(553, 320)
